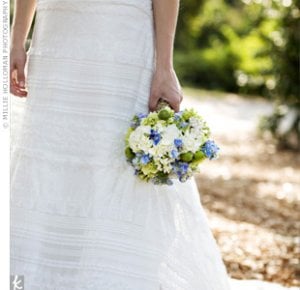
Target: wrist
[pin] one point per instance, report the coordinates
(17, 41)
(164, 68)
(164, 59)
(164, 65)
(17, 46)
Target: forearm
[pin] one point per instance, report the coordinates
(23, 16)
(165, 21)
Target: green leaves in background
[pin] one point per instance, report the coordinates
(240, 46)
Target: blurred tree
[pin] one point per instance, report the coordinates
(233, 41)
(284, 123)
(188, 10)
(285, 45)
(222, 42)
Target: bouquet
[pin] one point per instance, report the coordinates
(165, 145)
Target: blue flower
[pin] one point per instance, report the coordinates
(177, 115)
(174, 153)
(180, 168)
(184, 167)
(155, 136)
(136, 120)
(178, 142)
(145, 159)
(210, 149)
(183, 124)
(141, 115)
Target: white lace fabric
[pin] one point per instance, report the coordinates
(80, 219)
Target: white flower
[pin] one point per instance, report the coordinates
(160, 127)
(160, 149)
(196, 123)
(138, 140)
(163, 163)
(169, 134)
(191, 142)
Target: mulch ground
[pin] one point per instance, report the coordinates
(251, 195)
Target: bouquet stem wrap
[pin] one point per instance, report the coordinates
(161, 105)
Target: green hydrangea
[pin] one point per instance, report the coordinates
(188, 113)
(150, 120)
(149, 169)
(127, 135)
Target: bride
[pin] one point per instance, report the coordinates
(80, 219)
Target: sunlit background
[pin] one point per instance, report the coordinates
(238, 61)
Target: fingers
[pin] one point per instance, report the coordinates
(174, 100)
(15, 90)
(153, 100)
(174, 105)
(17, 83)
(21, 77)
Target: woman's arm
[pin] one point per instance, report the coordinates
(23, 16)
(165, 84)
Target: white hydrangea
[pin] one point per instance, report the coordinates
(163, 164)
(166, 164)
(160, 127)
(196, 123)
(169, 134)
(157, 163)
(160, 149)
(138, 140)
(191, 141)
(194, 138)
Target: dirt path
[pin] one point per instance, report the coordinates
(251, 194)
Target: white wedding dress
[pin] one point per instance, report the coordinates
(80, 218)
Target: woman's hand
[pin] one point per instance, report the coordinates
(17, 76)
(165, 85)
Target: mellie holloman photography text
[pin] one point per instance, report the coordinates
(5, 64)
